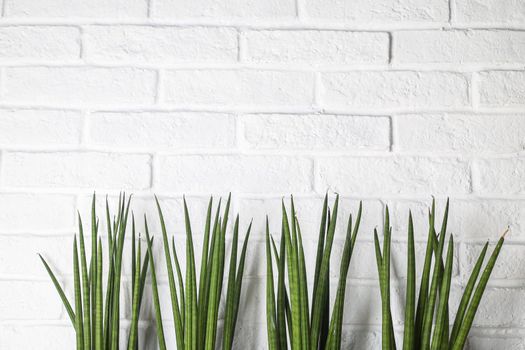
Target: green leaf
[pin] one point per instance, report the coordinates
(85, 287)
(271, 321)
(322, 291)
(79, 327)
(434, 286)
(476, 298)
(60, 291)
(467, 293)
(408, 337)
(155, 291)
(171, 279)
(425, 278)
(190, 322)
(442, 311)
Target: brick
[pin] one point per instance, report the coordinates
(160, 130)
(165, 44)
(23, 43)
(459, 46)
(501, 176)
(394, 175)
(250, 336)
(48, 212)
(308, 212)
(69, 169)
(511, 261)
(501, 307)
(378, 11)
(225, 9)
(502, 89)
(239, 87)
(478, 219)
(76, 8)
(316, 47)
(399, 211)
(394, 89)
(17, 248)
(172, 207)
(494, 343)
(22, 300)
(28, 127)
(309, 215)
(368, 308)
(369, 305)
(222, 173)
(490, 11)
(44, 337)
(361, 339)
(324, 132)
(363, 251)
(460, 133)
(79, 85)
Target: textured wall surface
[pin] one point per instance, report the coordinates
(385, 101)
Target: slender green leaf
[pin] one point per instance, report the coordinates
(408, 337)
(476, 298)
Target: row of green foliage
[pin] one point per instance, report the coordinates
(295, 319)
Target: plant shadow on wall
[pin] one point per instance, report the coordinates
(296, 319)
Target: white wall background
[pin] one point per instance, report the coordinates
(388, 101)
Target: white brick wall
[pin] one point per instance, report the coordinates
(385, 101)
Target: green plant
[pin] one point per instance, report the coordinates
(291, 322)
(195, 307)
(96, 321)
(427, 322)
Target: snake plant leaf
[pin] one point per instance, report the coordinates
(200, 300)
(85, 287)
(97, 321)
(60, 291)
(295, 322)
(293, 282)
(78, 298)
(214, 296)
(93, 266)
(177, 319)
(429, 329)
(434, 286)
(303, 285)
(465, 299)
(464, 329)
(204, 290)
(133, 334)
(425, 278)
(320, 246)
(408, 336)
(271, 321)
(155, 290)
(99, 339)
(230, 292)
(190, 321)
(336, 325)
(322, 292)
(442, 310)
(238, 285)
(283, 304)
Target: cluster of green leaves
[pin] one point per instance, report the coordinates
(427, 323)
(96, 319)
(195, 307)
(290, 321)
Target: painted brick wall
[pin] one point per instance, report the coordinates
(383, 101)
